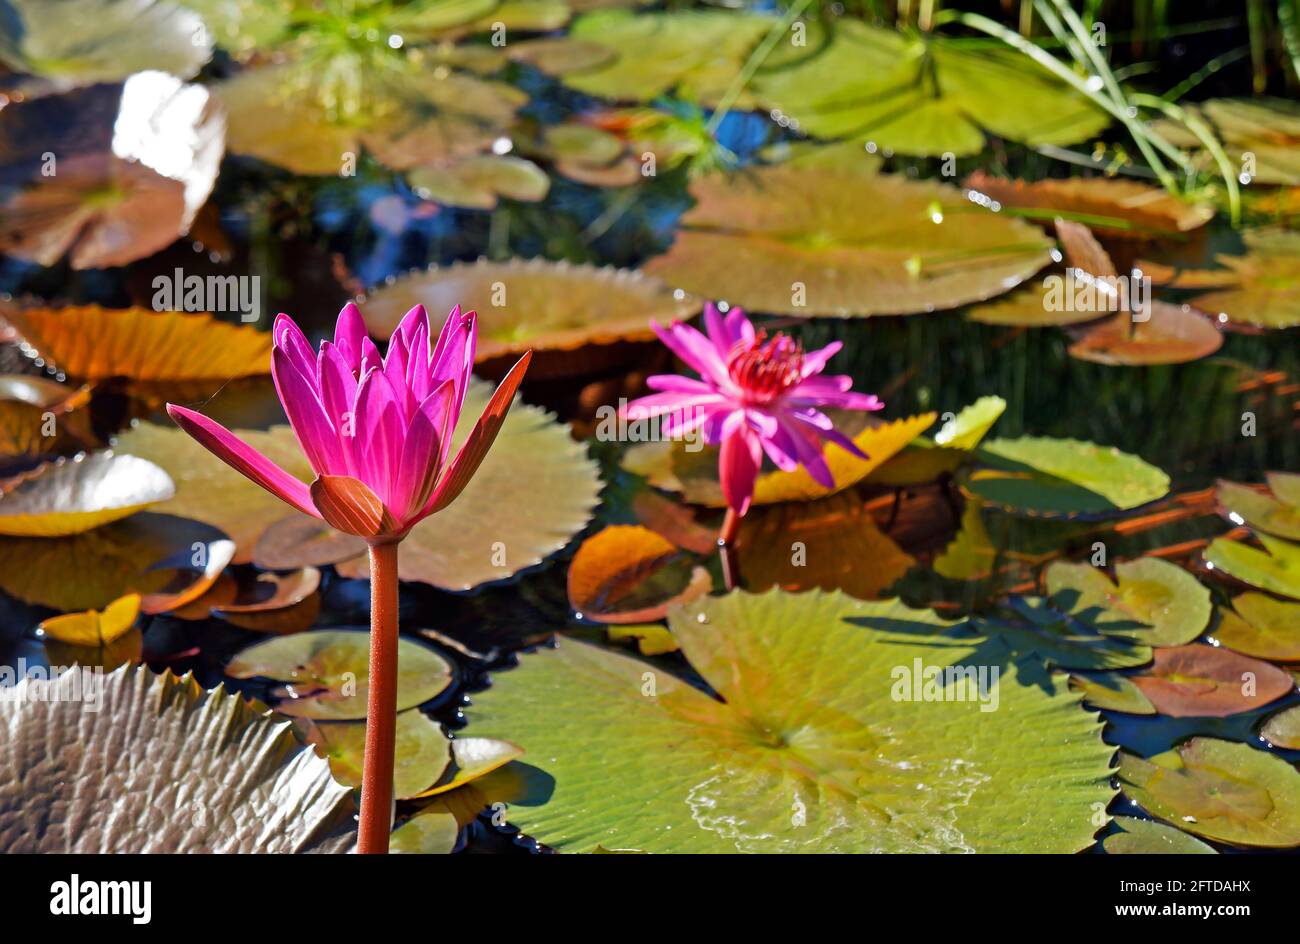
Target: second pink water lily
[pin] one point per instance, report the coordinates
(377, 431)
(755, 395)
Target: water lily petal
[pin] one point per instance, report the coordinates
(243, 458)
(349, 332)
(423, 453)
(814, 361)
(307, 416)
(380, 433)
(453, 355)
(695, 351)
(480, 439)
(338, 388)
(347, 504)
(286, 336)
(739, 460)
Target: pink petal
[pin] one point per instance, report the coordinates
(657, 404)
(410, 321)
(695, 352)
(311, 425)
(288, 337)
(418, 378)
(338, 390)
(679, 384)
(377, 451)
(422, 453)
(739, 460)
(349, 331)
(453, 355)
(243, 458)
(808, 450)
(814, 361)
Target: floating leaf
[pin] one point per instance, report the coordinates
(804, 749)
(94, 568)
(478, 182)
(471, 758)
(93, 627)
(849, 243)
(191, 771)
(303, 541)
(327, 672)
(1265, 128)
(922, 94)
(39, 416)
(281, 604)
(671, 465)
(1145, 837)
(1064, 477)
(429, 832)
(832, 543)
(1172, 334)
(1065, 640)
(309, 116)
(1200, 681)
(552, 308)
(561, 55)
(135, 162)
(1029, 307)
(1265, 512)
(630, 574)
(81, 42)
(210, 491)
(69, 496)
(1112, 692)
(1261, 627)
(93, 343)
(200, 569)
(1283, 729)
(1264, 284)
(1172, 604)
(421, 751)
(967, 429)
(1220, 790)
(695, 53)
(1109, 206)
(1276, 568)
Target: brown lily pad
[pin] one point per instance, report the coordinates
(1199, 681)
(630, 574)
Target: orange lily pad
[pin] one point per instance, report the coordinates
(630, 574)
(1200, 681)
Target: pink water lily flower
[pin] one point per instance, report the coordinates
(755, 395)
(376, 430)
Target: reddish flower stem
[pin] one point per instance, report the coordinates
(381, 709)
(727, 550)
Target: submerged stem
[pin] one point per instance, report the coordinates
(381, 708)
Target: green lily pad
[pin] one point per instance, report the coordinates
(1220, 790)
(1172, 604)
(1261, 626)
(1028, 307)
(1112, 692)
(566, 313)
(421, 751)
(478, 182)
(1276, 568)
(1064, 478)
(969, 427)
(1263, 512)
(1146, 837)
(1201, 681)
(811, 745)
(472, 758)
(1035, 626)
(326, 672)
(1283, 729)
(695, 53)
(83, 42)
(429, 832)
(1259, 289)
(192, 771)
(921, 94)
(814, 243)
(309, 116)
